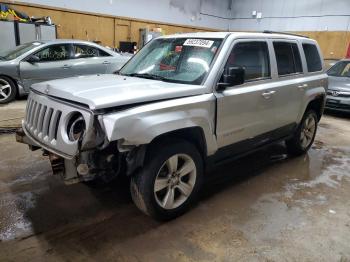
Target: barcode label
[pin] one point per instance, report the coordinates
(199, 42)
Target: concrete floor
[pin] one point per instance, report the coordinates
(11, 114)
(264, 207)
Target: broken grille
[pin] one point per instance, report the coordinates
(41, 120)
(45, 120)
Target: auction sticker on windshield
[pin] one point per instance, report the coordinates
(199, 42)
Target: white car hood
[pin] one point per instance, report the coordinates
(104, 91)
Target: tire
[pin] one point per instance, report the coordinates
(8, 90)
(304, 136)
(164, 164)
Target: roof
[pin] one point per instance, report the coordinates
(74, 41)
(60, 41)
(237, 34)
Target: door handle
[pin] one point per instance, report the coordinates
(106, 62)
(303, 86)
(66, 66)
(268, 95)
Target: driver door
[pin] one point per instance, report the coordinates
(54, 62)
(246, 111)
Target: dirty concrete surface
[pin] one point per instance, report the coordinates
(264, 207)
(11, 114)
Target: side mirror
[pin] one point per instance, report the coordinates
(232, 76)
(33, 59)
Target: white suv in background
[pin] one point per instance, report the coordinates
(180, 106)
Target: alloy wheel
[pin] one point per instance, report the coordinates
(175, 181)
(5, 89)
(308, 131)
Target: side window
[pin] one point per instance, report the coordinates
(54, 53)
(103, 53)
(313, 59)
(253, 57)
(288, 58)
(85, 51)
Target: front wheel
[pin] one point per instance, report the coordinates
(170, 181)
(304, 135)
(8, 90)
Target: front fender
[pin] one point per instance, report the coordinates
(142, 124)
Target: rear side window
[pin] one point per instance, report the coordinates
(313, 59)
(85, 51)
(253, 57)
(288, 58)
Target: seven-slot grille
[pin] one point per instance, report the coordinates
(42, 120)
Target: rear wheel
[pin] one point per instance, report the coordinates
(170, 180)
(8, 90)
(304, 136)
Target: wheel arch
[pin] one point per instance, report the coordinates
(195, 135)
(11, 78)
(317, 104)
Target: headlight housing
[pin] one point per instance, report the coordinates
(76, 127)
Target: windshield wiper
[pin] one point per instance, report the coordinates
(148, 76)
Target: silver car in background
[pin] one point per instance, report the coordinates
(338, 95)
(47, 60)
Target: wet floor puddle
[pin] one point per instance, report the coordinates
(322, 167)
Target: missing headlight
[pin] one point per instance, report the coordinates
(76, 127)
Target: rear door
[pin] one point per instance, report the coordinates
(247, 111)
(290, 82)
(90, 60)
(55, 62)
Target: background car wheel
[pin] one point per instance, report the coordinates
(304, 136)
(170, 181)
(8, 90)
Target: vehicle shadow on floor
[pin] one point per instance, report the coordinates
(85, 218)
(337, 114)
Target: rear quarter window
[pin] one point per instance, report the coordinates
(313, 59)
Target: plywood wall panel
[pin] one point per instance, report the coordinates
(110, 30)
(333, 44)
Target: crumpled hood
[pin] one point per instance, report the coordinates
(339, 83)
(104, 91)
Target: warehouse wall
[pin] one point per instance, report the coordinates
(296, 15)
(111, 21)
(107, 21)
(197, 13)
(328, 21)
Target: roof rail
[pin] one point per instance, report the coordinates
(282, 33)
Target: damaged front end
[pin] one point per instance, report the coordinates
(73, 139)
(96, 158)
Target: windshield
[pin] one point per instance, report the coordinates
(341, 69)
(18, 51)
(179, 60)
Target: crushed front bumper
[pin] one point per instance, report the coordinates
(60, 166)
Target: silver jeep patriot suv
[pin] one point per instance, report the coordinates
(182, 104)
